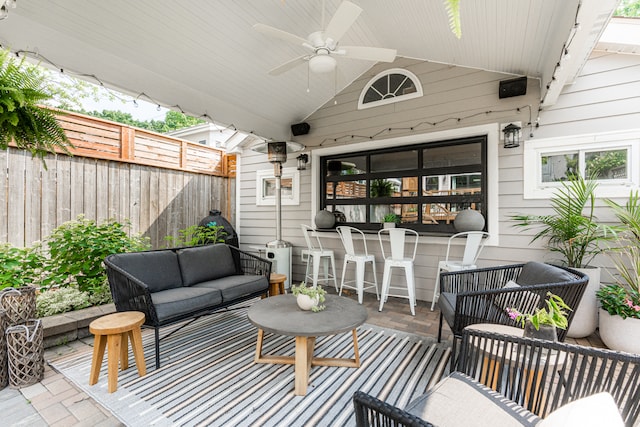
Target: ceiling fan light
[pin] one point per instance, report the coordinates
(322, 64)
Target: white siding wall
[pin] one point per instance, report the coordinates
(449, 92)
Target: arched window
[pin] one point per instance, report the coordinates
(390, 86)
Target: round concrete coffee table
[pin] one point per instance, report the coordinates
(281, 315)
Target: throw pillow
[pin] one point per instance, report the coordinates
(596, 410)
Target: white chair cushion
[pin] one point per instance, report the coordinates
(593, 411)
(455, 266)
(458, 401)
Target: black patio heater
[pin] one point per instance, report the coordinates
(279, 251)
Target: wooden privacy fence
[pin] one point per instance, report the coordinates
(160, 184)
(102, 139)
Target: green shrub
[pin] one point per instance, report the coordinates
(197, 235)
(20, 266)
(77, 249)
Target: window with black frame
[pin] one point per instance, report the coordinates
(425, 185)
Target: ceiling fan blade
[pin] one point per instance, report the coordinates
(288, 65)
(379, 54)
(279, 34)
(342, 20)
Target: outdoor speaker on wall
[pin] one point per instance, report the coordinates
(300, 129)
(513, 87)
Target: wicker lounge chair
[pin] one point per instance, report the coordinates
(530, 381)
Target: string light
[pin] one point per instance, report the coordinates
(564, 53)
(113, 94)
(388, 130)
(206, 116)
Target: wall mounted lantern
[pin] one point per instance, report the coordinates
(511, 135)
(302, 159)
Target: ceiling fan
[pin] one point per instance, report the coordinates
(323, 44)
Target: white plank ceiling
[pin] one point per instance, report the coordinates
(205, 57)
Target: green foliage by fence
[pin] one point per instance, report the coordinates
(20, 266)
(68, 268)
(77, 249)
(197, 235)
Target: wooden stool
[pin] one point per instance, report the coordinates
(276, 284)
(115, 330)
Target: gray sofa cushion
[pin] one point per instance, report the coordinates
(158, 269)
(203, 263)
(174, 303)
(537, 273)
(233, 287)
(458, 400)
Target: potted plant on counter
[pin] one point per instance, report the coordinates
(390, 220)
(620, 302)
(573, 231)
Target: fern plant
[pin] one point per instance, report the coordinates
(30, 126)
(453, 10)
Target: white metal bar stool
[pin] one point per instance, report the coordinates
(472, 248)
(315, 254)
(352, 237)
(395, 257)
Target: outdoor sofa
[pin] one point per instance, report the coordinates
(529, 382)
(483, 295)
(177, 284)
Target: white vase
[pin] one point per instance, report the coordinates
(585, 318)
(620, 334)
(305, 302)
(388, 225)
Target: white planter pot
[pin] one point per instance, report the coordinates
(305, 302)
(389, 225)
(585, 319)
(620, 334)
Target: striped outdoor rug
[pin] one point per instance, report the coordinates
(208, 377)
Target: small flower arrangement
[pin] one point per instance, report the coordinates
(554, 315)
(315, 293)
(623, 297)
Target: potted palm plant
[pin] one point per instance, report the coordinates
(573, 232)
(620, 302)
